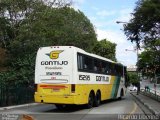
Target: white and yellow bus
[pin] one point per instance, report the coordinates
(68, 75)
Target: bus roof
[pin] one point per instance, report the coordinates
(84, 52)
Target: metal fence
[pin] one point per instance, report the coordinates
(14, 95)
(151, 93)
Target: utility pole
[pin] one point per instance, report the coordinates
(136, 49)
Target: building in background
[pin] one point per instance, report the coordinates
(132, 68)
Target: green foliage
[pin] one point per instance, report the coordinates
(145, 23)
(21, 72)
(11, 15)
(133, 78)
(106, 49)
(63, 26)
(147, 65)
(144, 27)
(28, 25)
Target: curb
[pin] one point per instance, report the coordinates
(145, 104)
(18, 106)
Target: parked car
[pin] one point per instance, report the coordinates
(132, 88)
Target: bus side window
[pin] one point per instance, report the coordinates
(118, 70)
(113, 71)
(95, 68)
(80, 62)
(87, 64)
(84, 62)
(100, 67)
(95, 64)
(103, 67)
(108, 68)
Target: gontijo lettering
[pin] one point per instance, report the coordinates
(54, 63)
(102, 78)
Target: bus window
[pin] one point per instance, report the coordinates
(103, 67)
(95, 64)
(87, 64)
(122, 71)
(108, 68)
(80, 62)
(100, 67)
(113, 69)
(118, 70)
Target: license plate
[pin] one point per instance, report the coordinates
(55, 90)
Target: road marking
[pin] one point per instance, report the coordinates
(133, 111)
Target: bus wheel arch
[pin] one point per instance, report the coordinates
(97, 99)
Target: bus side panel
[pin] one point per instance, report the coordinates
(115, 86)
(83, 91)
(121, 86)
(108, 91)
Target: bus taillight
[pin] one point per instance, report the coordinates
(35, 87)
(73, 86)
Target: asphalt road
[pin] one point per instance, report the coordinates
(126, 108)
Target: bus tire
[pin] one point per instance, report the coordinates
(60, 106)
(90, 100)
(121, 94)
(97, 100)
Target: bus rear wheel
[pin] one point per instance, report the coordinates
(90, 100)
(97, 99)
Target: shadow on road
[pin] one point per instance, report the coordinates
(67, 109)
(75, 108)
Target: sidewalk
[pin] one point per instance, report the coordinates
(18, 106)
(152, 105)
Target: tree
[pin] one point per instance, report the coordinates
(52, 26)
(42, 25)
(147, 65)
(133, 78)
(145, 23)
(105, 49)
(13, 12)
(144, 27)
